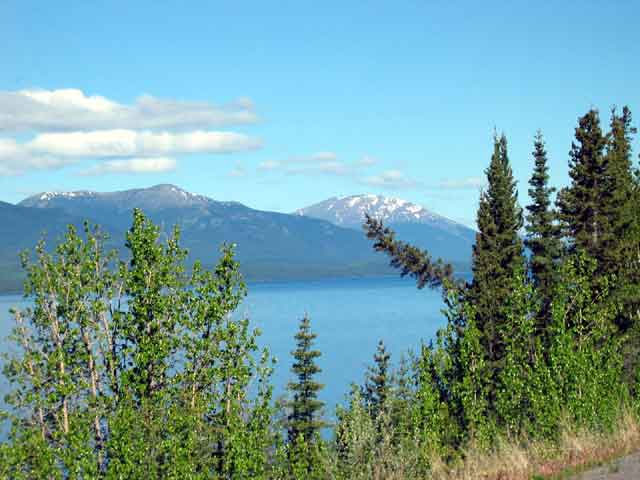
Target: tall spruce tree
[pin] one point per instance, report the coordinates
(622, 208)
(600, 207)
(304, 420)
(581, 206)
(377, 384)
(498, 251)
(543, 233)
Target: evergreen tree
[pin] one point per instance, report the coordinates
(410, 259)
(498, 251)
(304, 420)
(622, 208)
(600, 207)
(377, 384)
(581, 204)
(543, 234)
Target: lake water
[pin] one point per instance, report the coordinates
(348, 315)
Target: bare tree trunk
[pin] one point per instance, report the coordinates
(110, 355)
(61, 370)
(25, 344)
(94, 393)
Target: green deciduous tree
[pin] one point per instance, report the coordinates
(135, 369)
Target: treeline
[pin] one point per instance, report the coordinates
(137, 369)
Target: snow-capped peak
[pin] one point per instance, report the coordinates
(46, 196)
(158, 196)
(350, 210)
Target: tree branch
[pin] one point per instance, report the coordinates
(412, 261)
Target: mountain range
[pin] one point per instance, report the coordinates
(412, 223)
(325, 239)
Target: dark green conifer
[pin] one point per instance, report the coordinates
(377, 384)
(498, 251)
(304, 420)
(622, 208)
(543, 233)
(581, 203)
(409, 259)
(600, 207)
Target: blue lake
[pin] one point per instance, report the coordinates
(348, 315)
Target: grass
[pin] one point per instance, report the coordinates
(522, 460)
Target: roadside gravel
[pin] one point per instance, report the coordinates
(625, 468)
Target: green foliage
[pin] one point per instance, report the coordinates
(585, 357)
(304, 421)
(307, 459)
(135, 369)
(622, 207)
(581, 208)
(409, 259)
(432, 427)
(543, 232)
(138, 369)
(498, 252)
(471, 389)
(530, 349)
(513, 398)
(355, 435)
(378, 383)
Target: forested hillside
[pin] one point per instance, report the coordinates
(269, 245)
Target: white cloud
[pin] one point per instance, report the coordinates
(71, 109)
(54, 150)
(324, 168)
(366, 161)
(462, 183)
(48, 129)
(314, 163)
(129, 143)
(324, 156)
(133, 165)
(336, 168)
(320, 163)
(325, 162)
(390, 179)
(269, 165)
(15, 159)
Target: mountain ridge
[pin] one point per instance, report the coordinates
(415, 224)
(270, 245)
(350, 209)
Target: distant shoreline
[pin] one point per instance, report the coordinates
(282, 280)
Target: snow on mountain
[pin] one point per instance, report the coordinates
(412, 223)
(350, 211)
(158, 196)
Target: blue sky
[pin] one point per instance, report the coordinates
(280, 105)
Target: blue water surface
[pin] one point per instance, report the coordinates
(348, 315)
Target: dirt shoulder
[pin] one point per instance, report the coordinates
(625, 468)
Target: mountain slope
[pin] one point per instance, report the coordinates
(412, 223)
(21, 228)
(349, 211)
(269, 245)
